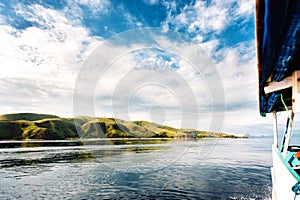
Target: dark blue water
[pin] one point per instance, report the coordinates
(152, 169)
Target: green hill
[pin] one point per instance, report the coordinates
(26, 116)
(42, 126)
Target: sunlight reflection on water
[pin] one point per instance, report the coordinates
(235, 168)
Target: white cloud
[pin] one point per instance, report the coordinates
(236, 65)
(129, 18)
(26, 95)
(42, 60)
(245, 8)
(55, 44)
(238, 73)
(95, 6)
(151, 2)
(209, 17)
(134, 86)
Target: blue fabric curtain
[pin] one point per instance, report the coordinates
(281, 38)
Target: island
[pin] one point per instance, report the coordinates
(20, 126)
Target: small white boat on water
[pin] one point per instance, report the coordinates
(278, 56)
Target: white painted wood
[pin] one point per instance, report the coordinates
(275, 86)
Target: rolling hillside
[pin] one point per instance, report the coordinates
(43, 126)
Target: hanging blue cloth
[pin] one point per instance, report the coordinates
(281, 38)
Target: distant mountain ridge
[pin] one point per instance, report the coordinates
(26, 116)
(44, 126)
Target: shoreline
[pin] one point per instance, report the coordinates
(107, 139)
(78, 140)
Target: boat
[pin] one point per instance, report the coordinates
(278, 63)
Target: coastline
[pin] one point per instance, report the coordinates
(109, 139)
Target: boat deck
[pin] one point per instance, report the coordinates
(293, 158)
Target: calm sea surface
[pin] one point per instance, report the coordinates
(136, 169)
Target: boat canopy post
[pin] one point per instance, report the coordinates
(288, 134)
(275, 130)
(296, 92)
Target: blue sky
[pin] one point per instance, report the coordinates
(46, 46)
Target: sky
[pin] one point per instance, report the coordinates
(187, 64)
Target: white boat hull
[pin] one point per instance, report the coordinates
(282, 178)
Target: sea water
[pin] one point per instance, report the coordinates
(136, 169)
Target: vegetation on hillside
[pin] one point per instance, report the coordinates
(42, 126)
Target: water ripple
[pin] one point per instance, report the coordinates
(234, 169)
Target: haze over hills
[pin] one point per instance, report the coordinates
(44, 126)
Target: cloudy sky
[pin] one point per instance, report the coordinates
(180, 63)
